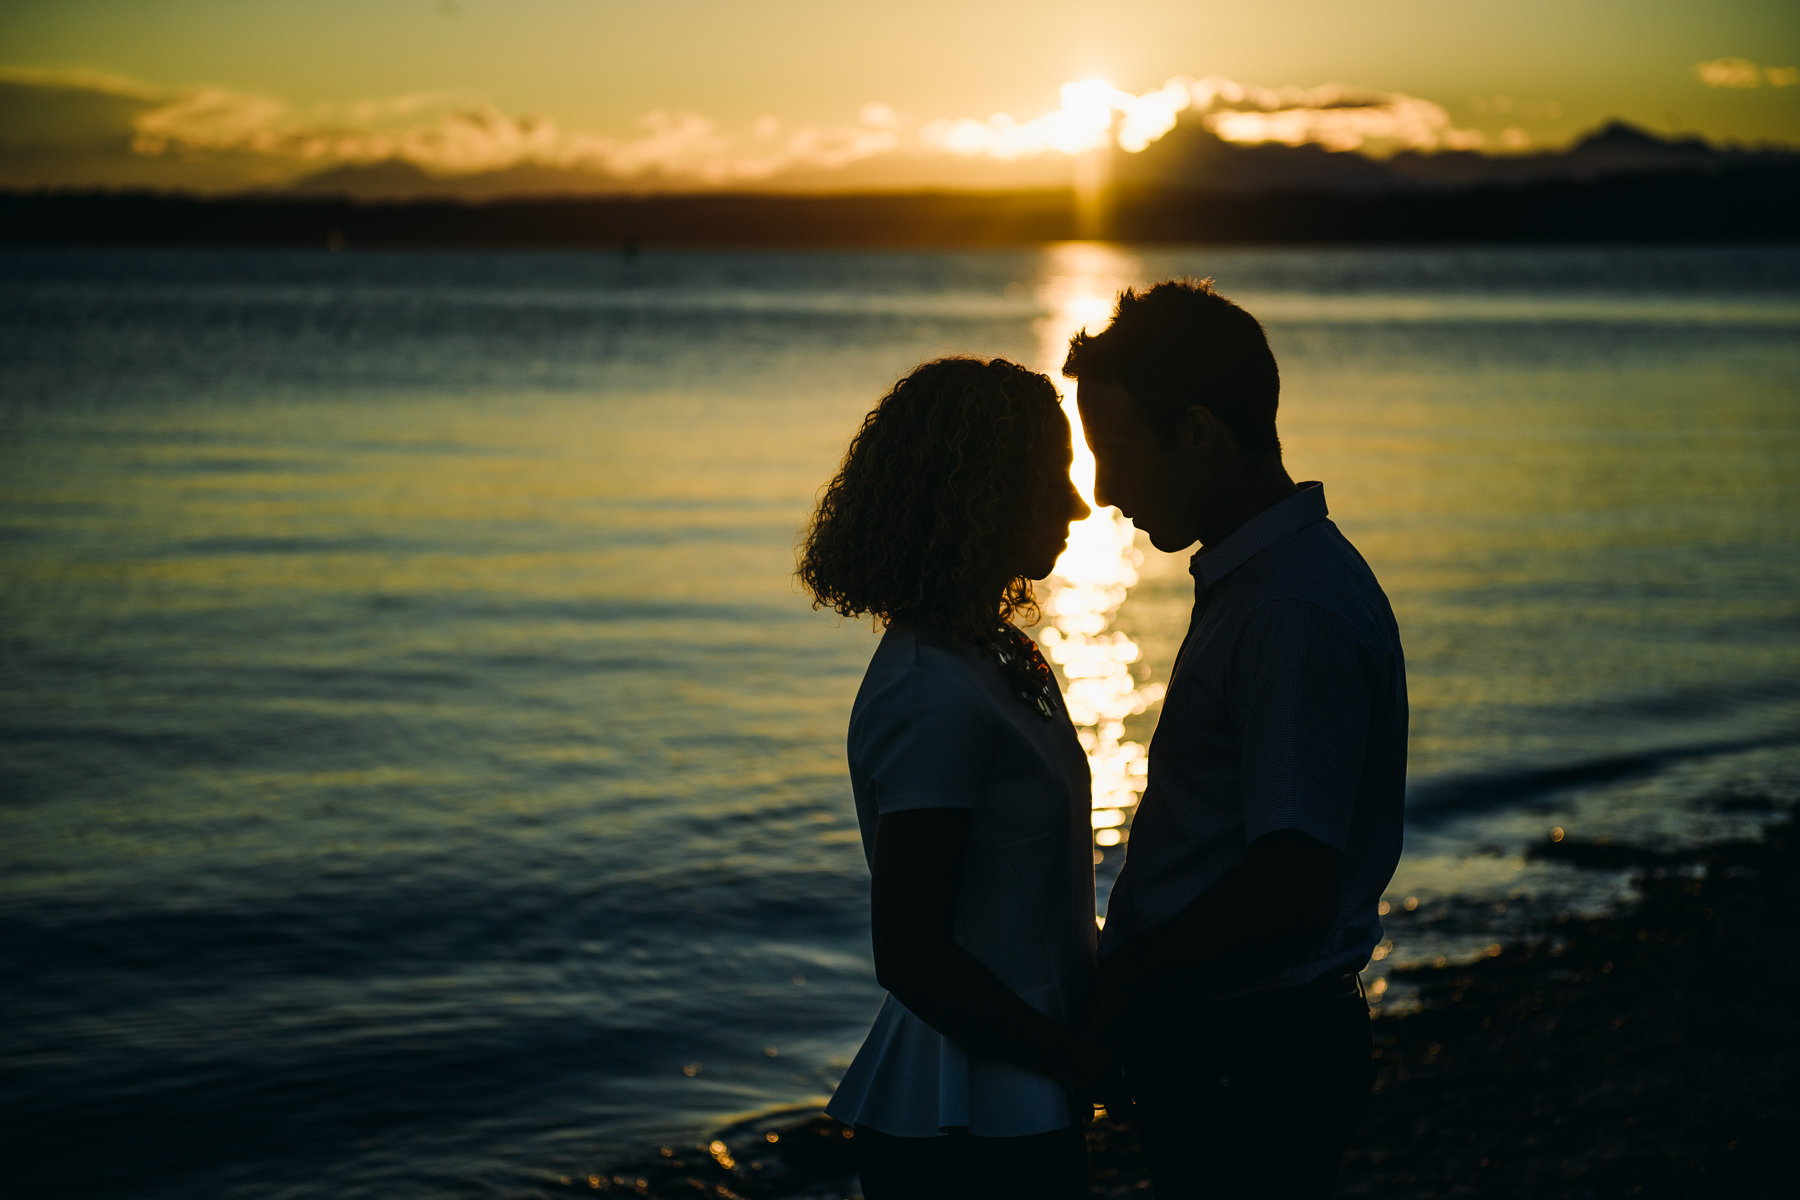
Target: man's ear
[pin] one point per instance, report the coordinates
(1200, 432)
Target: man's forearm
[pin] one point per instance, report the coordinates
(1284, 890)
(1203, 932)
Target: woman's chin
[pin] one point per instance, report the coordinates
(1045, 568)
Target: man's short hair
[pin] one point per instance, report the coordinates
(1180, 344)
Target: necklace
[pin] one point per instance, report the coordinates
(1019, 659)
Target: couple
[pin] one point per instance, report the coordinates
(1220, 1010)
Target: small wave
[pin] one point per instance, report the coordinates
(232, 546)
(1444, 799)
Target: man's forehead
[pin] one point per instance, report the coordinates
(1105, 402)
(1102, 391)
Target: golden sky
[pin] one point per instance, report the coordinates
(223, 92)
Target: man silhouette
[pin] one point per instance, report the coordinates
(1271, 822)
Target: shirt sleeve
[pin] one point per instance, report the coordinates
(923, 742)
(1300, 698)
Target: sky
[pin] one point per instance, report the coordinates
(227, 93)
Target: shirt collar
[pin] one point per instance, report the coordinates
(1305, 507)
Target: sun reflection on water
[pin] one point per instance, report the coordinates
(1094, 575)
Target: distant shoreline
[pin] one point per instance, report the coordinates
(1742, 204)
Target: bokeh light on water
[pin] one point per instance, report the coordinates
(1095, 574)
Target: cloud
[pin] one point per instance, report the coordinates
(1084, 122)
(1332, 115)
(1733, 72)
(81, 128)
(1094, 113)
(80, 80)
(470, 138)
(688, 145)
(443, 133)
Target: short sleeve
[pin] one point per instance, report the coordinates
(1301, 702)
(921, 742)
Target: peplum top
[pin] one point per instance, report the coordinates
(936, 725)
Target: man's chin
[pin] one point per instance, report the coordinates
(1168, 543)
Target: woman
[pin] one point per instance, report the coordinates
(971, 789)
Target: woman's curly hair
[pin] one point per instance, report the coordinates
(932, 497)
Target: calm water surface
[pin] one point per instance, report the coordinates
(420, 776)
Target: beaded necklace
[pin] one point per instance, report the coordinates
(1019, 659)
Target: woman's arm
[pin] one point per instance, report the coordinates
(917, 872)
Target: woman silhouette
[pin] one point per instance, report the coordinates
(971, 790)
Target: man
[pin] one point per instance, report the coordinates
(1272, 819)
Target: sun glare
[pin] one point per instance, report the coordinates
(1085, 119)
(1094, 575)
(1094, 114)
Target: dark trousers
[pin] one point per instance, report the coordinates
(1250, 1098)
(957, 1166)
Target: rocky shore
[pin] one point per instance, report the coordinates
(1651, 1052)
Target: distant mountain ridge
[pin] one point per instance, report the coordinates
(398, 179)
(1189, 158)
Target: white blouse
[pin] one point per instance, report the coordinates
(937, 726)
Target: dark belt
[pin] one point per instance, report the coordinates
(1178, 995)
(1325, 987)
(1344, 983)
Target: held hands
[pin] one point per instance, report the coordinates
(1105, 1084)
(1096, 1076)
(1109, 1001)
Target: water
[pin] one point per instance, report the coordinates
(419, 774)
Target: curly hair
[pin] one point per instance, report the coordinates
(931, 497)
